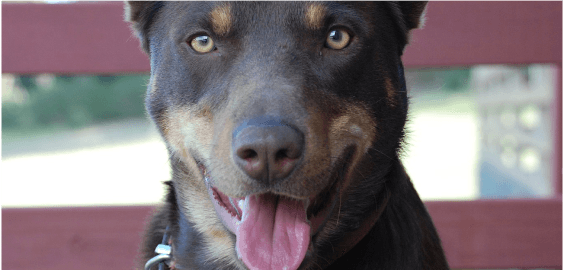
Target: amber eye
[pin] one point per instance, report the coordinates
(338, 39)
(202, 44)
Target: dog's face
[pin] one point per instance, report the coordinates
(276, 115)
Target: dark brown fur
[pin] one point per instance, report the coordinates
(350, 105)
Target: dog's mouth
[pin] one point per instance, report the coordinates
(274, 231)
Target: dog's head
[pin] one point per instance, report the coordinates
(277, 116)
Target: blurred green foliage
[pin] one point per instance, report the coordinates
(447, 80)
(75, 101)
(456, 80)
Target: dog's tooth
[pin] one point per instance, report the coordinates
(207, 182)
(243, 203)
(234, 207)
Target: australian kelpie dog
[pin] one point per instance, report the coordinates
(283, 121)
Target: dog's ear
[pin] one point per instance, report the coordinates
(140, 14)
(408, 16)
(413, 13)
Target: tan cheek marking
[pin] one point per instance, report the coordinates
(339, 125)
(206, 113)
(171, 131)
(198, 133)
(315, 15)
(221, 19)
(391, 92)
(188, 129)
(355, 125)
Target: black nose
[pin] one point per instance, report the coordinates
(266, 148)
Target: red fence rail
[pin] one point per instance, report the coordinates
(92, 38)
(477, 234)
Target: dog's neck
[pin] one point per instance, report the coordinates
(351, 239)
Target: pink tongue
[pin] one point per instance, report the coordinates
(274, 233)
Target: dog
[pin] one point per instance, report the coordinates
(284, 122)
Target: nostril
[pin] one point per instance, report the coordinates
(247, 154)
(251, 159)
(281, 154)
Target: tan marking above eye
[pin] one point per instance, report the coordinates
(338, 39)
(314, 16)
(221, 19)
(202, 44)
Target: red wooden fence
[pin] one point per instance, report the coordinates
(92, 38)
